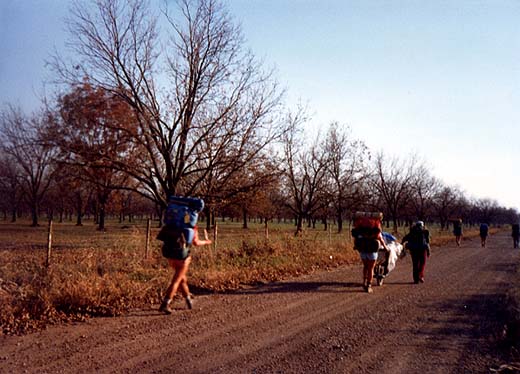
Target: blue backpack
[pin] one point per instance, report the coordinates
(182, 214)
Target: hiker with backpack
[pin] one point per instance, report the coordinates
(178, 235)
(457, 231)
(484, 231)
(515, 233)
(367, 240)
(417, 241)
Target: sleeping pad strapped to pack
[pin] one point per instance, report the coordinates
(367, 227)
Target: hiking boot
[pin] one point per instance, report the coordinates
(165, 308)
(189, 302)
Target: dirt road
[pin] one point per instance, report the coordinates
(316, 324)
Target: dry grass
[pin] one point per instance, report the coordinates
(96, 273)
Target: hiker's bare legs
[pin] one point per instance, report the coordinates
(368, 271)
(179, 277)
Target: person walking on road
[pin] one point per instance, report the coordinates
(457, 231)
(484, 231)
(178, 235)
(417, 241)
(515, 233)
(179, 259)
(369, 259)
(367, 240)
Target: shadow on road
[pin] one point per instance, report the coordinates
(479, 321)
(287, 287)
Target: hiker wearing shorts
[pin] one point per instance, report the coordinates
(417, 241)
(369, 262)
(367, 240)
(178, 234)
(179, 259)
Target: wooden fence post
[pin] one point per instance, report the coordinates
(215, 236)
(49, 244)
(147, 248)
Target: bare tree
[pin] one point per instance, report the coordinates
(21, 139)
(447, 204)
(347, 169)
(391, 181)
(204, 106)
(485, 210)
(507, 216)
(424, 186)
(305, 176)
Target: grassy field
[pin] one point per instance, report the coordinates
(95, 273)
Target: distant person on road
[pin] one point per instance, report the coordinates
(457, 231)
(515, 233)
(417, 241)
(484, 231)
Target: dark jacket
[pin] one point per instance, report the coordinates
(417, 239)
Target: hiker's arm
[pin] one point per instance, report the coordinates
(382, 241)
(197, 241)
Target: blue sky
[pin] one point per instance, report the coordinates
(436, 78)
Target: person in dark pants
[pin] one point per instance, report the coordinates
(515, 234)
(484, 231)
(417, 241)
(457, 231)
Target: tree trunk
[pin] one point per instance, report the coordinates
(340, 223)
(299, 224)
(244, 218)
(102, 200)
(34, 214)
(79, 210)
(101, 218)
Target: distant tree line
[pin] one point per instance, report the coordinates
(152, 104)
